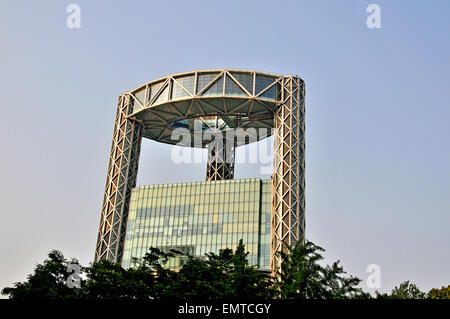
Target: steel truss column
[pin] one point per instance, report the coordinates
(120, 180)
(220, 164)
(288, 199)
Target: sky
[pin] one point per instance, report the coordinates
(377, 119)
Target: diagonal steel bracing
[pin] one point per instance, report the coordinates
(220, 164)
(120, 180)
(288, 201)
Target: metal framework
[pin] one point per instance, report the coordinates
(120, 180)
(288, 200)
(222, 101)
(220, 164)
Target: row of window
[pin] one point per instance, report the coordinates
(200, 190)
(208, 184)
(175, 219)
(197, 206)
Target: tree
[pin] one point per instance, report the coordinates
(226, 274)
(302, 277)
(48, 281)
(223, 275)
(407, 290)
(443, 293)
(245, 281)
(147, 279)
(107, 280)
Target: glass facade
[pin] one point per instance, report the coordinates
(200, 217)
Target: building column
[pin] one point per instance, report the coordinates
(220, 164)
(120, 180)
(288, 198)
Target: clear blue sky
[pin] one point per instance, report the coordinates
(378, 111)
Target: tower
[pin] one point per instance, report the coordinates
(218, 110)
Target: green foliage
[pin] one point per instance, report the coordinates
(107, 280)
(302, 276)
(226, 274)
(407, 290)
(223, 275)
(443, 293)
(48, 281)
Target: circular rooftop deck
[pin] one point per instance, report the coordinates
(207, 101)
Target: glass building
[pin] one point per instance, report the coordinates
(200, 217)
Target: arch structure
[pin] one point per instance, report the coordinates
(218, 110)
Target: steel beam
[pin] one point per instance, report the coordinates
(220, 164)
(288, 199)
(120, 180)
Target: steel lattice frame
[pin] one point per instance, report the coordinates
(288, 201)
(239, 102)
(220, 164)
(121, 179)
